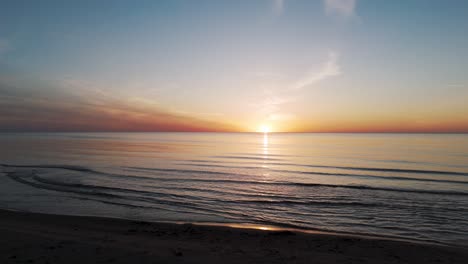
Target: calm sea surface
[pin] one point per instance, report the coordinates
(406, 186)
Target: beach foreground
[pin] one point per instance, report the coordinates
(40, 238)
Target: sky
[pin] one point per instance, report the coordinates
(212, 65)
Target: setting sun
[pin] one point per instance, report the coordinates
(265, 129)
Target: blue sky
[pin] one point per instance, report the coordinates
(293, 65)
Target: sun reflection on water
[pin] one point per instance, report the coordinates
(265, 150)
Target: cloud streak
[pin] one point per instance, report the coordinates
(271, 104)
(344, 8)
(329, 69)
(52, 111)
(270, 107)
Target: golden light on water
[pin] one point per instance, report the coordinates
(265, 144)
(254, 226)
(265, 150)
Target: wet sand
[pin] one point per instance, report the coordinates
(40, 238)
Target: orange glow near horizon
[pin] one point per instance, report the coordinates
(143, 116)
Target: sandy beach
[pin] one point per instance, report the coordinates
(40, 238)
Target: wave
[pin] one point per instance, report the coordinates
(415, 171)
(330, 174)
(92, 190)
(243, 182)
(261, 155)
(396, 170)
(21, 179)
(148, 196)
(248, 158)
(65, 167)
(307, 202)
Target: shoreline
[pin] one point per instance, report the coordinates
(256, 226)
(44, 238)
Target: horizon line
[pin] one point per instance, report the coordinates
(240, 132)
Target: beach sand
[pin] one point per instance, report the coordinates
(40, 238)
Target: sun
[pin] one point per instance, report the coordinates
(265, 129)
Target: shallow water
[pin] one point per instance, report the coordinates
(407, 186)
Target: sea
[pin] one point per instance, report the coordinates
(402, 186)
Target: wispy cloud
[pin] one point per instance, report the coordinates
(206, 115)
(345, 8)
(278, 6)
(272, 103)
(74, 108)
(329, 69)
(280, 117)
(272, 106)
